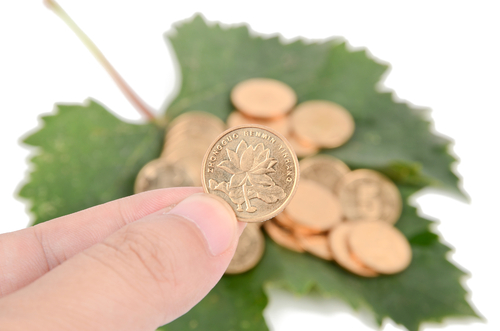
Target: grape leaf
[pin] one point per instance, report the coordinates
(390, 137)
(235, 303)
(86, 157)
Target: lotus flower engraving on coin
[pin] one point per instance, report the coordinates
(249, 167)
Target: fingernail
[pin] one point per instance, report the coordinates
(213, 217)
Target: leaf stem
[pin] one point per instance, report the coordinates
(136, 101)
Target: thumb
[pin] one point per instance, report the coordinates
(144, 275)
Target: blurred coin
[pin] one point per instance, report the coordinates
(193, 130)
(314, 207)
(337, 240)
(284, 221)
(324, 170)
(161, 174)
(380, 246)
(192, 166)
(316, 244)
(194, 134)
(181, 149)
(322, 123)
(280, 124)
(367, 194)
(282, 237)
(249, 250)
(190, 117)
(305, 231)
(254, 169)
(263, 97)
(187, 140)
(300, 149)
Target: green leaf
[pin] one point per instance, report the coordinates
(85, 157)
(236, 303)
(390, 137)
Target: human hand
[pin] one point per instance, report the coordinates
(130, 264)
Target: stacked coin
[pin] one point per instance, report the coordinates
(345, 216)
(336, 214)
(186, 142)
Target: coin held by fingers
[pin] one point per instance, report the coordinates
(254, 169)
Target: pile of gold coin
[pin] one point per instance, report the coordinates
(344, 216)
(336, 214)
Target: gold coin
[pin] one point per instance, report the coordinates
(190, 159)
(314, 207)
(192, 166)
(192, 138)
(300, 149)
(254, 169)
(316, 244)
(187, 140)
(305, 231)
(337, 240)
(282, 236)
(322, 123)
(159, 173)
(186, 148)
(263, 97)
(367, 194)
(184, 142)
(201, 117)
(280, 124)
(249, 250)
(193, 130)
(324, 170)
(380, 246)
(284, 221)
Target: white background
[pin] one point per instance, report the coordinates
(444, 55)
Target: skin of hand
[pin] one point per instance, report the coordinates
(131, 264)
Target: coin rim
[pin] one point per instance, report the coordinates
(188, 115)
(309, 161)
(304, 243)
(292, 152)
(294, 246)
(372, 263)
(328, 144)
(161, 161)
(284, 118)
(260, 250)
(345, 261)
(304, 152)
(274, 81)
